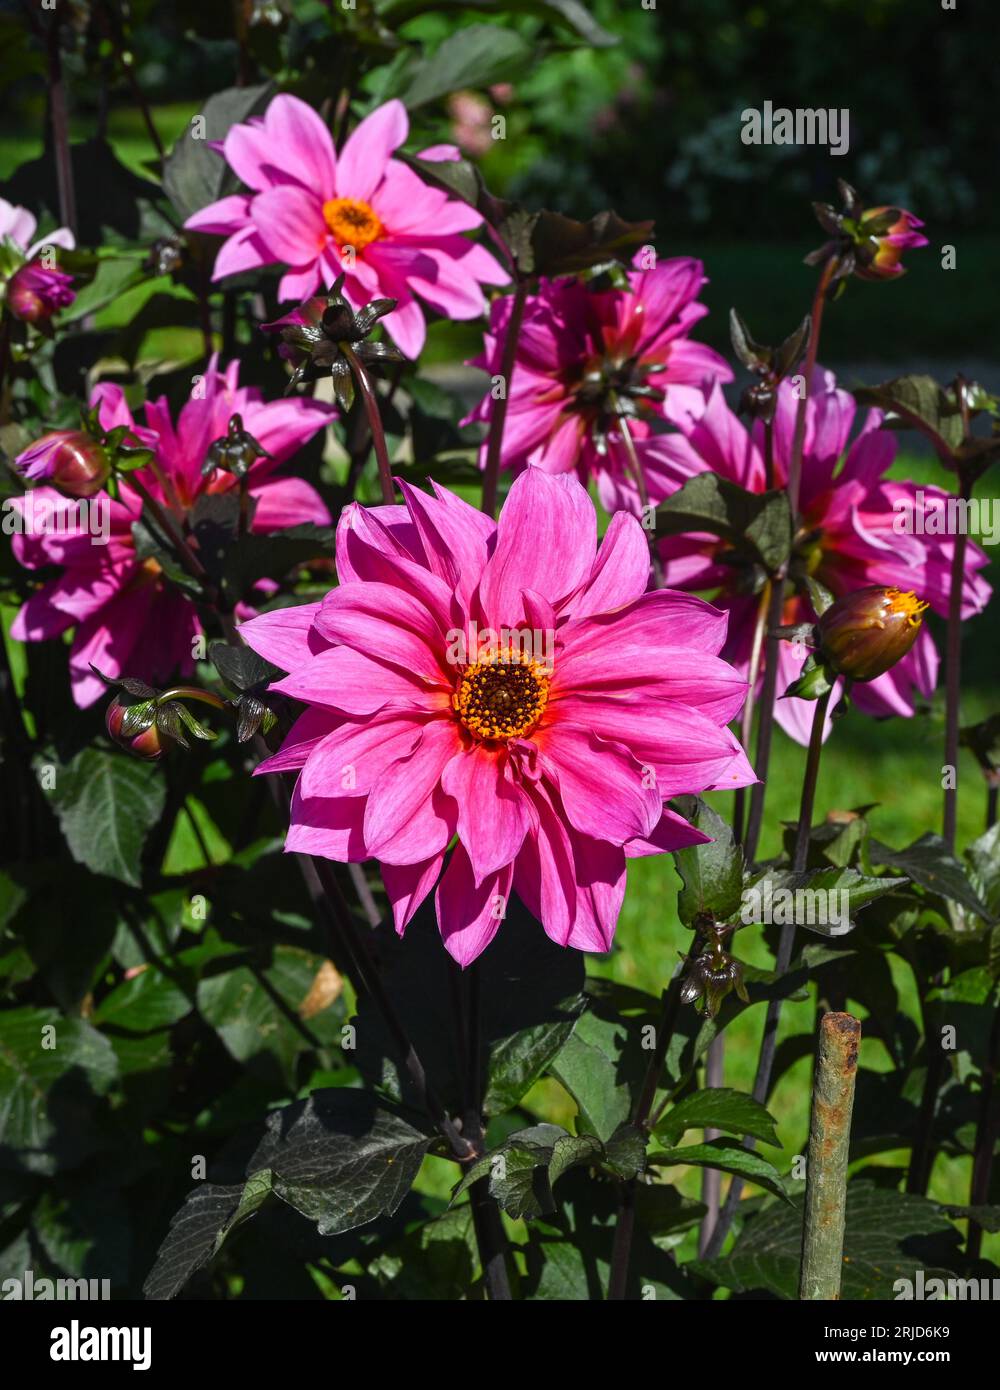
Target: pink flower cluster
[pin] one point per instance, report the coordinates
(34, 291)
(128, 620)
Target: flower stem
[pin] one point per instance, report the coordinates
(953, 669)
(491, 1239)
(182, 550)
(622, 1248)
(639, 474)
(786, 942)
(499, 413)
(746, 718)
(364, 384)
(192, 692)
(812, 349)
(987, 1132)
(60, 128)
(829, 1144)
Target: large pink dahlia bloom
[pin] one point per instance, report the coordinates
(853, 534)
(307, 203)
(128, 619)
(509, 684)
(584, 354)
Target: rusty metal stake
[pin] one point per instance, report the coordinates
(829, 1140)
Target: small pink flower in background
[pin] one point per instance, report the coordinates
(34, 290)
(852, 534)
(579, 351)
(471, 122)
(128, 620)
(550, 755)
(308, 202)
(891, 243)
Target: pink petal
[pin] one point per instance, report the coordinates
(605, 791)
(283, 502)
(332, 827)
(349, 759)
(306, 733)
(346, 680)
(365, 154)
(389, 624)
(469, 914)
(493, 814)
(546, 541)
(290, 222)
(407, 885)
(407, 816)
(285, 636)
(621, 570)
(300, 145)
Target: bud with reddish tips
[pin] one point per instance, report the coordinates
(132, 725)
(35, 293)
(68, 459)
(866, 632)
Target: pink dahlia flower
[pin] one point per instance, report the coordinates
(308, 203)
(583, 353)
(855, 532)
(34, 291)
(509, 684)
(128, 619)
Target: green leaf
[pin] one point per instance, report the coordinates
(822, 900)
(197, 1232)
(193, 174)
(918, 402)
(719, 1108)
(340, 1158)
(106, 804)
(712, 873)
(524, 1169)
(889, 1235)
(144, 1003)
(256, 1006)
(476, 56)
(729, 1157)
(433, 1261)
(589, 1066)
(571, 12)
(51, 1068)
(758, 523)
(929, 862)
(255, 557)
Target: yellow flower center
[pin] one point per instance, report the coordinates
(502, 698)
(905, 605)
(352, 222)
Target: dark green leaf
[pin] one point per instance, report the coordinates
(727, 1156)
(929, 862)
(712, 873)
(718, 1108)
(759, 523)
(106, 804)
(193, 174)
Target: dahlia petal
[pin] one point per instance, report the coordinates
(469, 914)
(350, 758)
(546, 541)
(343, 679)
(621, 571)
(306, 733)
(285, 636)
(368, 148)
(545, 870)
(455, 537)
(290, 222)
(605, 791)
(284, 502)
(331, 827)
(302, 145)
(407, 885)
(600, 892)
(408, 817)
(223, 217)
(671, 833)
(387, 623)
(493, 813)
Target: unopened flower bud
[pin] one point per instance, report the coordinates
(34, 293)
(866, 632)
(68, 459)
(132, 725)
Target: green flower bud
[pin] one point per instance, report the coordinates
(865, 633)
